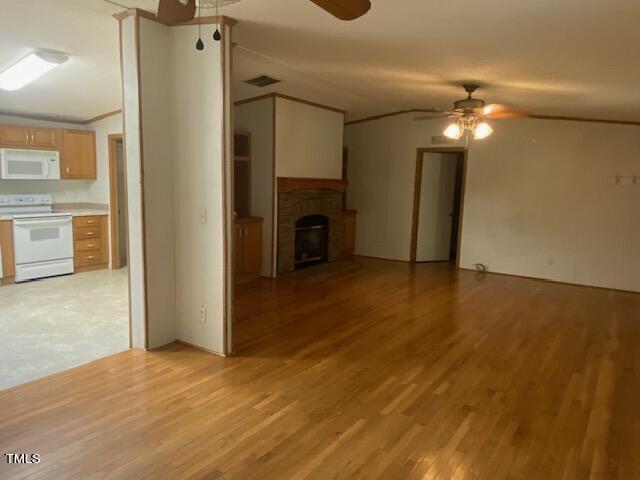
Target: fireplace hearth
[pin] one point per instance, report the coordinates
(311, 241)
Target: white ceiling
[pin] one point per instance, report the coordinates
(89, 83)
(569, 57)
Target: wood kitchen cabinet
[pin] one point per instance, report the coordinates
(6, 248)
(247, 248)
(23, 136)
(348, 233)
(90, 242)
(78, 160)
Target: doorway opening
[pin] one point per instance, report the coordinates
(437, 205)
(118, 194)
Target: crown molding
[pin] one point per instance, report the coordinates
(391, 114)
(138, 12)
(288, 97)
(102, 117)
(49, 118)
(532, 116)
(43, 118)
(584, 119)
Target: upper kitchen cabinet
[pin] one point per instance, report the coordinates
(45, 137)
(22, 136)
(78, 155)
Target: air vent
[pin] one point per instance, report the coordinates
(441, 140)
(262, 81)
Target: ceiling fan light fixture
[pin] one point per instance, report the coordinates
(483, 130)
(453, 131)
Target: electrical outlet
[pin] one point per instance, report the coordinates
(203, 216)
(203, 313)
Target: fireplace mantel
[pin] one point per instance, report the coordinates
(293, 184)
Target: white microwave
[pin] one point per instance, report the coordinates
(17, 164)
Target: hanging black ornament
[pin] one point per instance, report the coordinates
(216, 35)
(199, 44)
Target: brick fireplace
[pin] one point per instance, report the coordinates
(303, 199)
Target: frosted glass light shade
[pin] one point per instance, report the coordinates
(453, 131)
(483, 130)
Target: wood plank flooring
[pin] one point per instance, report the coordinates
(362, 370)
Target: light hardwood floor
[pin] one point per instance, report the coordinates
(365, 370)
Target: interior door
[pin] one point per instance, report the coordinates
(437, 194)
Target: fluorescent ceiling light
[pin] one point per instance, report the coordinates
(29, 68)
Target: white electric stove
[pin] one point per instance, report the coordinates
(42, 239)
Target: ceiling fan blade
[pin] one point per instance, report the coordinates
(495, 110)
(345, 9)
(174, 11)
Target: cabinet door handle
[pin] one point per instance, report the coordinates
(91, 221)
(67, 168)
(33, 137)
(91, 245)
(91, 257)
(26, 137)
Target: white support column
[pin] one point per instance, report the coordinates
(184, 149)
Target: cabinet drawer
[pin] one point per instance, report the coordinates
(94, 245)
(86, 221)
(87, 233)
(88, 258)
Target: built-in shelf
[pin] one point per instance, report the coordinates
(242, 173)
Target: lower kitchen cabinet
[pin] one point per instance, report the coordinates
(90, 242)
(348, 233)
(247, 248)
(6, 248)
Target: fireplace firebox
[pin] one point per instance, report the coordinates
(311, 241)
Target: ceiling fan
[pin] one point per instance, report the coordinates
(173, 11)
(469, 115)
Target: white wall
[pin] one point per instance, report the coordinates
(308, 140)
(197, 139)
(257, 118)
(185, 149)
(156, 113)
(133, 159)
(98, 191)
(538, 201)
(70, 191)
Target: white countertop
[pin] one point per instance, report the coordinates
(82, 212)
(76, 212)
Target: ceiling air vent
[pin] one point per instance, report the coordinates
(262, 81)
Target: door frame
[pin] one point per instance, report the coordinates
(113, 200)
(417, 187)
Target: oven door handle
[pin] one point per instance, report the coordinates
(40, 222)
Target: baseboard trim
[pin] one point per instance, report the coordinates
(556, 281)
(381, 258)
(202, 349)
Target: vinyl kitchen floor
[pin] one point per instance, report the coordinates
(53, 324)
